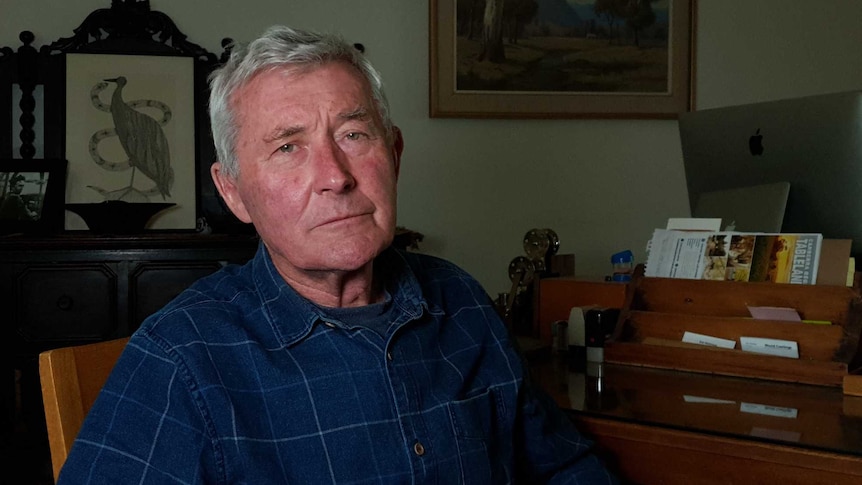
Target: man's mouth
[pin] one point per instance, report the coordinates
(343, 219)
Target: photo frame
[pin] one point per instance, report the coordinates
(130, 134)
(125, 29)
(31, 196)
(588, 63)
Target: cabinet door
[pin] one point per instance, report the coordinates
(154, 284)
(66, 302)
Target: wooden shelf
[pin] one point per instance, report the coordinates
(658, 311)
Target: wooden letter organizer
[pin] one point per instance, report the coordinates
(659, 310)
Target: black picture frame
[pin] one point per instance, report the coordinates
(158, 89)
(128, 27)
(38, 209)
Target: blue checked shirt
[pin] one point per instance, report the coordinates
(240, 380)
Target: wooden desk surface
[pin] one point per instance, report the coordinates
(710, 429)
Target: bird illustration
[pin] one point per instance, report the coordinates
(143, 140)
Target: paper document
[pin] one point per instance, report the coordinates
(780, 348)
(734, 256)
(774, 313)
(696, 338)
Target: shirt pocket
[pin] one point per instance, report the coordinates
(482, 432)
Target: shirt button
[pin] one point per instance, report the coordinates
(419, 449)
(329, 324)
(389, 356)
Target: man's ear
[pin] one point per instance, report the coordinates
(397, 148)
(226, 186)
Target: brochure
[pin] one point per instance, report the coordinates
(734, 256)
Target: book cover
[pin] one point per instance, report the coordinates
(786, 258)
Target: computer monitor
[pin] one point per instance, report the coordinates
(814, 143)
(755, 208)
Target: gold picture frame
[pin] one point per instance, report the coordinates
(596, 71)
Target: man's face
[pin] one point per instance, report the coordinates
(18, 187)
(317, 175)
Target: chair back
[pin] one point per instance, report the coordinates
(71, 380)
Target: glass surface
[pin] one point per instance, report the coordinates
(812, 417)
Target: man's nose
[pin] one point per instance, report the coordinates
(332, 168)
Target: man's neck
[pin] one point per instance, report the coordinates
(336, 289)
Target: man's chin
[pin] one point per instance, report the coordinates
(347, 256)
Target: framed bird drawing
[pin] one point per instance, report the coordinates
(130, 134)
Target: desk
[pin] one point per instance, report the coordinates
(658, 426)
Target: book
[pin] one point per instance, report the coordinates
(734, 256)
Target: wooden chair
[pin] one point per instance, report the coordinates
(71, 379)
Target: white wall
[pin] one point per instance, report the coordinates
(474, 187)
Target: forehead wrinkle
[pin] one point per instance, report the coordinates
(360, 113)
(282, 132)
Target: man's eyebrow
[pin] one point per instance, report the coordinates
(282, 132)
(360, 113)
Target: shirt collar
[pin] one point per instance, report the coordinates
(292, 316)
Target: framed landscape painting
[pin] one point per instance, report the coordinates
(561, 58)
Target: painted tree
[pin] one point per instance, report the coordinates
(610, 11)
(469, 17)
(640, 16)
(517, 14)
(492, 32)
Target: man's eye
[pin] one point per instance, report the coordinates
(355, 135)
(287, 148)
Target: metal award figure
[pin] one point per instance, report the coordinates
(539, 245)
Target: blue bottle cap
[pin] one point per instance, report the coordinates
(622, 257)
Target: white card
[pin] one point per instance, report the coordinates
(696, 338)
(781, 348)
(705, 400)
(777, 411)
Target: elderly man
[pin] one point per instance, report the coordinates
(330, 357)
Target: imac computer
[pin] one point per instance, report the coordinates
(812, 144)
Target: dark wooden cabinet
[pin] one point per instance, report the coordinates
(68, 290)
(73, 289)
(60, 302)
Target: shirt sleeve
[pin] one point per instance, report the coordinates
(145, 427)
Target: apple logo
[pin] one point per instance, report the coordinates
(755, 143)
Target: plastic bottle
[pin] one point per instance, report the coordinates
(623, 263)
